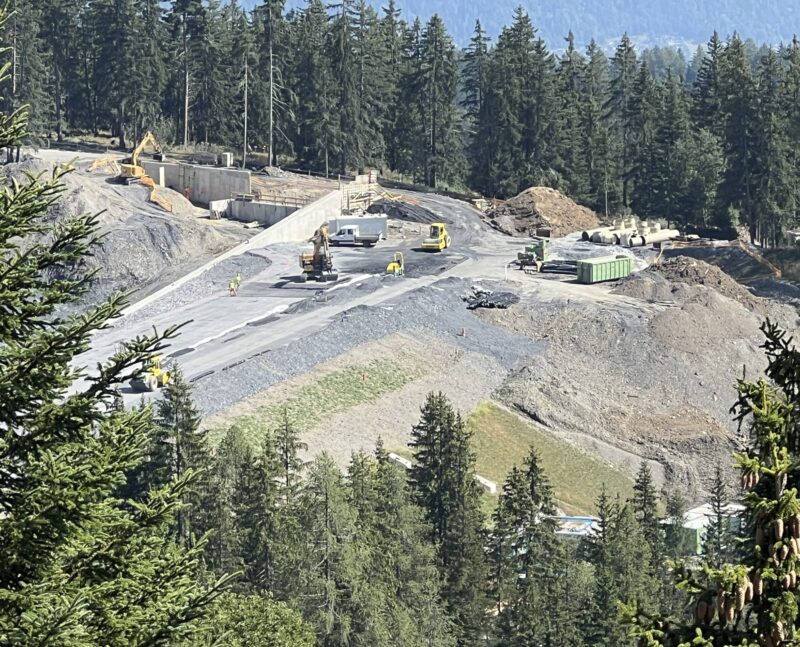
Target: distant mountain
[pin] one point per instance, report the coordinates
(649, 22)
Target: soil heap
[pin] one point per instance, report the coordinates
(541, 207)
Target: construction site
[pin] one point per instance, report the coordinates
(603, 344)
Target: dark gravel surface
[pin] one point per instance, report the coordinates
(437, 309)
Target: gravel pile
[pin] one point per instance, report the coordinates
(437, 310)
(405, 211)
(541, 207)
(142, 241)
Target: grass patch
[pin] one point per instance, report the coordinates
(502, 439)
(333, 393)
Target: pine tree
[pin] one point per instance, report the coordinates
(645, 504)
(572, 137)
(181, 422)
(117, 29)
(474, 82)
(596, 548)
(643, 113)
(329, 567)
(620, 109)
(230, 490)
(212, 105)
(603, 194)
(26, 83)
(435, 84)
(668, 185)
(444, 486)
(59, 30)
(185, 18)
(252, 621)
(737, 85)
(774, 195)
(78, 565)
(718, 540)
(391, 31)
(526, 559)
(707, 91)
(318, 140)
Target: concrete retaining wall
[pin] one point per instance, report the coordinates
(206, 183)
(266, 213)
(295, 228)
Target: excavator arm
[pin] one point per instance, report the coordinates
(149, 138)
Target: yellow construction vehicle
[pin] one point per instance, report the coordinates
(130, 171)
(319, 264)
(438, 238)
(397, 267)
(151, 376)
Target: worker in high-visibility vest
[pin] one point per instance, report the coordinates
(232, 289)
(238, 279)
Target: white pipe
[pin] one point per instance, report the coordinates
(661, 236)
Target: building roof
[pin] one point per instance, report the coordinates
(701, 516)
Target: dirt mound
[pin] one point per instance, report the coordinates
(696, 272)
(142, 241)
(704, 320)
(541, 207)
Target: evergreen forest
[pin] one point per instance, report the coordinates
(337, 88)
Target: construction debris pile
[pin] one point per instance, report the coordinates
(480, 298)
(541, 208)
(405, 210)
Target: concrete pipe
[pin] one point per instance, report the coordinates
(636, 241)
(587, 235)
(661, 236)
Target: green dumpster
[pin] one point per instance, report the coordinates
(603, 268)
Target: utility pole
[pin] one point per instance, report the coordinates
(244, 146)
(271, 92)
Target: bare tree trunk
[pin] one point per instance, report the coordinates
(185, 84)
(271, 96)
(244, 143)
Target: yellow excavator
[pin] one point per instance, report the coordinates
(130, 171)
(151, 376)
(319, 264)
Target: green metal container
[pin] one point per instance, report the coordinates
(603, 268)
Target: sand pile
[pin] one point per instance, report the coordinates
(541, 207)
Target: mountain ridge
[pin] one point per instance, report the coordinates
(686, 23)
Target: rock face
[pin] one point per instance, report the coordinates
(541, 207)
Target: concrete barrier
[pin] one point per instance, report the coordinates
(206, 183)
(267, 213)
(295, 228)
